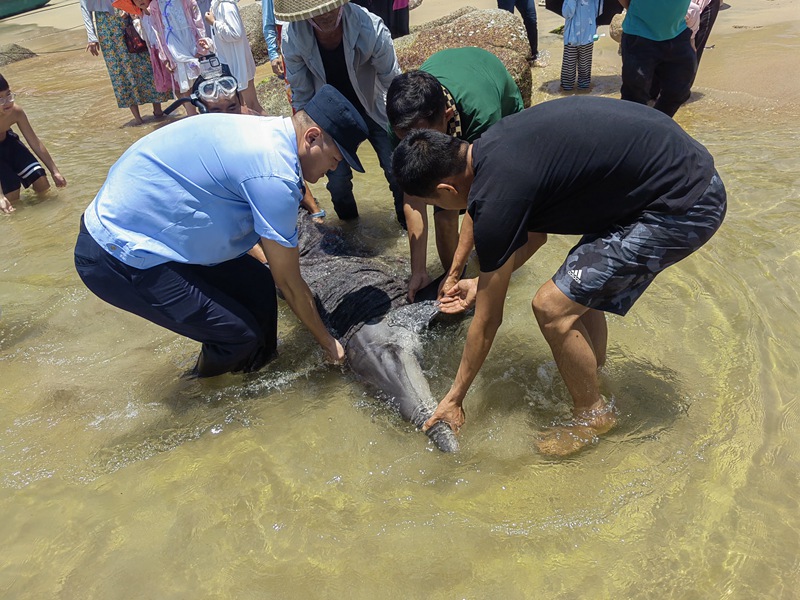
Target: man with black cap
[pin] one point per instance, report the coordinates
(168, 233)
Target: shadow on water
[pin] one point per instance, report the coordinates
(649, 398)
(601, 84)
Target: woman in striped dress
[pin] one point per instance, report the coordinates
(131, 74)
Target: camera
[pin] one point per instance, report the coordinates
(210, 67)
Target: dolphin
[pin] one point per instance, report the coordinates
(362, 301)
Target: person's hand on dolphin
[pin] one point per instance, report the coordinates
(416, 283)
(448, 411)
(460, 297)
(335, 353)
(447, 284)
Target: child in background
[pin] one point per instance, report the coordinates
(162, 76)
(233, 48)
(220, 94)
(18, 167)
(181, 36)
(579, 31)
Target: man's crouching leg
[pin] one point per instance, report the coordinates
(577, 337)
(340, 186)
(231, 308)
(238, 324)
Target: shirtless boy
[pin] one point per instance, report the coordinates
(18, 167)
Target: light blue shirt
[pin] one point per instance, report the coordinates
(657, 20)
(580, 21)
(200, 191)
(269, 28)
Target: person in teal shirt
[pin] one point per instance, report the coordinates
(460, 91)
(657, 42)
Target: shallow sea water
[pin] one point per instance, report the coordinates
(120, 480)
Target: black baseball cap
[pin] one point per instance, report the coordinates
(339, 119)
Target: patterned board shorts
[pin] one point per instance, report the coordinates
(609, 270)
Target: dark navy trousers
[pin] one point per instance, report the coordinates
(672, 62)
(231, 308)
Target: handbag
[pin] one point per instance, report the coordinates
(133, 41)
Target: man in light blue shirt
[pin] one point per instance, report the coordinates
(658, 59)
(167, 235)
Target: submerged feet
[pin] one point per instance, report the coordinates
(582, 431)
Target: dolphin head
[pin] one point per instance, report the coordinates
(443, 437)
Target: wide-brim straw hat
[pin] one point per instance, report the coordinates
(302, 10)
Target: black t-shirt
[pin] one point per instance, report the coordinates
(336, 74)
(578, 166)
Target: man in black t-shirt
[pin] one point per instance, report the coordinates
(640, 190)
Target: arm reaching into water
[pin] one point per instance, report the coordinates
(285, 266)
(487, 293)
(416, 213)
(38, 147)
(491, 295)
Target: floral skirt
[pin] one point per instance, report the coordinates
(131, 74)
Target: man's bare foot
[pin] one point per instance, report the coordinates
(582, 431)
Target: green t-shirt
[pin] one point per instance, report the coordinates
(480, 84)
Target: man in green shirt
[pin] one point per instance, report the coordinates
(461, 92)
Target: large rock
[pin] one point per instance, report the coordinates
(495, 30)
(272, 97)
(253, 27)
(445, 20)
(615, 27)
(10, 53)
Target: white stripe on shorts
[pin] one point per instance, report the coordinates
(27, 171)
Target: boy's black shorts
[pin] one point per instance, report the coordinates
(17, 165)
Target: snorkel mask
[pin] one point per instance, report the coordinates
(212, 90)
(216, 83)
